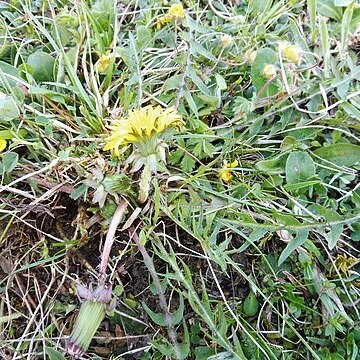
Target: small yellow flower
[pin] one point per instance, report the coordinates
(269, 71)
(176, 11)
(226, 172)
(292, 53)
(226, 40)
(103, 63)
(162, 20)
(2, 145)
(141, 125)
(250, 56)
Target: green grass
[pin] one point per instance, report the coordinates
(259, 263)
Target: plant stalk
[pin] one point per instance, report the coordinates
(163, 304)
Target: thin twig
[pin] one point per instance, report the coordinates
(150, 265)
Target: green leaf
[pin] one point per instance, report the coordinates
(220, 82)
(190, 101)
(251, 304)
(340, 3)
(172, 83)
(41, 66)
(273, 166)
(311, 8)
(299, 239)
(198, 82)
(327, 8)
(299, 167)
(8, 107)
(197, 48)
(340, 154)
(345, 25)
(78, 192)
(53, 354)
(263, 57)
(10, 161)
(187, 163)
(160, 319)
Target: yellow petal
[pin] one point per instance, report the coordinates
(3, 144)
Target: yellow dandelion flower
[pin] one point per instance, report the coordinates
(226, 173)
(141, 125)
(269, 71)
(176, 11)
(292, 53)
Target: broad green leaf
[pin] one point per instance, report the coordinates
(265, 56)
(172, 83)
(10, 161)
(298, 240)
(340, 154)
(251, 304)
(8, 107)
(299, 166)
(41, 66)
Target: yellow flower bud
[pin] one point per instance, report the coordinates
(226, 40)
(250, 56)
(269, 71)
(176, 11)
(293, 53)
(103, 63)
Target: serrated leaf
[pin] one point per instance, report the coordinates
(187, 163)
(160, 319)
(299, 166)
(340, 154)
(298, 240)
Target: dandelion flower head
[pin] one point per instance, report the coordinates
(141, 125)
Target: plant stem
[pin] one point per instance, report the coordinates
(110, 240)
(163, 304)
